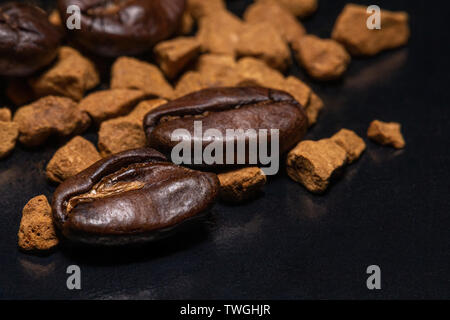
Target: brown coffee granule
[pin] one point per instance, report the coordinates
(282, 20)
(219, 32)
(351, 143)
(386, 133)
(36, 231)
(5, 114)
(299, 8)
(297, 88)
(313, 108)
(315, 163)
(48, 116)
(107, 104)
(216, 63)
(71, 76)
(130, 73)
(9, 131)
(72, 158)
(351, 30)
(55, 19)
(256, 72)
(323, 59)
(187, 24)
(175, 54)
(125, 133)
(263, 41)
(240, 185)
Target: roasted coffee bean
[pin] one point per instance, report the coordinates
(227, 108)
(28, 41)
(123, 27)
(131, 197)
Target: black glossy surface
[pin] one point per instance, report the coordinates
(391, 208)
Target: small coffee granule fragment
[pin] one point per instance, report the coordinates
(219, 32)
(263, 41)
(351, 143)
(240, 185)
(48, 116)
(212, 70)
(9, 131)
(107, 104)
(5, 114)
(72, 158)
(313, 108)
(125, 133)
(323, 59)
(216, 64)
(55, 19)
(299, 8)
(351, 30)
(187, 24)
(282, 20)
(173, 55)
(315, 163)
(36, 231)
(297, 88)
(130, 73)
(256, 72)
(386, 133)
(71, 76)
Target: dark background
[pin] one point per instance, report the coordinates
(391, 208)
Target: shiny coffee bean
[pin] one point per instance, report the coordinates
(227, 108)
(131, 197)
(28, 42)
(123, 27)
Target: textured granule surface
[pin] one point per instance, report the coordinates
(36, 231)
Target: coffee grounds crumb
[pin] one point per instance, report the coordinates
(9, 131)
(281, 19)
(187, 24)
(5, 114)
(299, 8)
(240, 185)
(386, 133)
(219, 32)
(256, 72)
(107, 104)
(297, 88)
(55, 19)
(175, 54)
(262, 40)
(125, 133)
(48, 116)
(351, 143)
(130, 73)
(71, 76)
(313, 108)
(36, 231)
(323, 59)
(72, 158)
(351, 30)
(315, 163)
